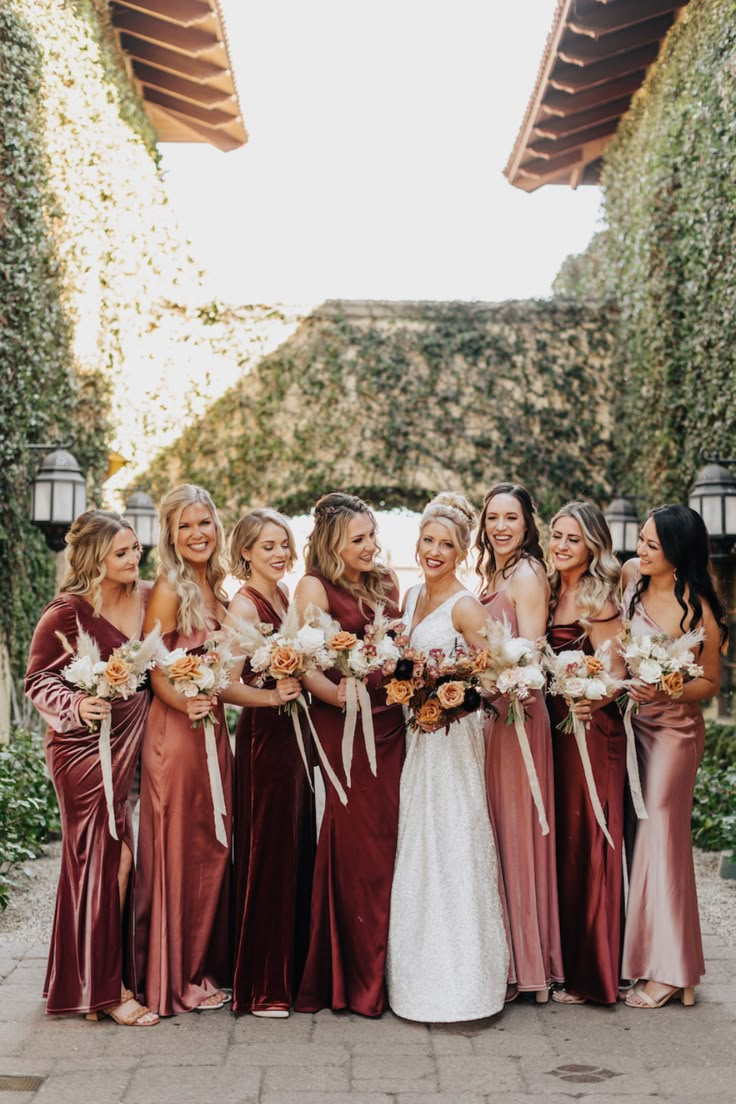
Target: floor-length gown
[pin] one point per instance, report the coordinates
(356, 848)
(274, 841)
(182, 910)
(526, 857)
(662, 939)
(589, 870)
(91, 950)
(448, 957)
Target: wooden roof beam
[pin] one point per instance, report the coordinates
(184, 89)
(576, 78)
(557, 126)
(561, 104)
(187, 13)
(188, 40)
(552, 147)
(172, 61)
(211, 117)
(578, 50)
(604, 19)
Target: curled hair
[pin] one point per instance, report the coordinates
(598, 585)
(323, 552)
(530, 547)
(456, 514)
(88, 541)
(181, 577)
(246, 533)
(686, 545)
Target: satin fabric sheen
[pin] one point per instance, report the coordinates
(356, 849)
(589, 871)
(274, 833)
(662, 940)
(182, 910)
(91, 951)
(526, 857)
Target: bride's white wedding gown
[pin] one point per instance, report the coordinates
(448, 958)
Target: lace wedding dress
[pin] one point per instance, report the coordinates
(448, 957)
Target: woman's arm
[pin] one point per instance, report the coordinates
(62, 707)
(469, 618)
(310, 592)
(698, 689)
(530, 595)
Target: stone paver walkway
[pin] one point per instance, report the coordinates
(549, 1053)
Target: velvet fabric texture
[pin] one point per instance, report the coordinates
(274, 837)
(91, 952)
(351, 893)
(589, 870)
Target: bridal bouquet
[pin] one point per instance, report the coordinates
(116, 678)
(437, 689)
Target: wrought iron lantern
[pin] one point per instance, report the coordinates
(143, 516)
(624, 524)
(58, 496)
(713, 496)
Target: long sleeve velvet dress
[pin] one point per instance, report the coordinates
(91, 952)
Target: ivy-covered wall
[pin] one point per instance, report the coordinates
(395, 401)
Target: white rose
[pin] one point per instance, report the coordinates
(532, 678)
(357, 662)
(80, 672)
(508, 680)
(178, 653)
(188, 689)
(206, 679)
(595, 689)
(387, 650)
(260, 659)
(570, 659)
(517, 648)
(650, 671)
(310, 639)
(575, 688)
(659, 653)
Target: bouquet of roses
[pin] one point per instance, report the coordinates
(577, 676)
(439, 689)
(207, 672)
(116, 678)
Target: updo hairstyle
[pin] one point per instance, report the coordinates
(457, 514)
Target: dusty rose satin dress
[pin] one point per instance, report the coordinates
(662, 938)
(274, 836)
(91, 950)
(182, 903)
(351, 894)
(589, 870)
(526, 857)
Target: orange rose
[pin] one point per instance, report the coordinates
(593, 665)
(673, 684)
(451, 694)
(481, 661)
(185, 669)
(399, 691)
(284, 661)
(429, 714)
(117, 671)
(343, 641)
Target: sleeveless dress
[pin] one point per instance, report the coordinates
(354, 866)
(662, 940)
(91, 949)
(448, 957)
(274, 836)
(589, 870)
(526, 857)
(182, 911)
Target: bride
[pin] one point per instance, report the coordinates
(447, 951)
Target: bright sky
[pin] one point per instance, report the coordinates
(378, 136)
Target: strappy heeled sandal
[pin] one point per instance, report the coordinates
(128, 1013)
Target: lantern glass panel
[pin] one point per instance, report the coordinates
(731, 515)
(80, 499)
(63, 502)
(41, 501)
(712, 514)
(617, 535)
(632, 536)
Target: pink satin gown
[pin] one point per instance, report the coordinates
(91, 952)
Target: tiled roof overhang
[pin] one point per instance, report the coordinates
(179, 59)
(596, 57)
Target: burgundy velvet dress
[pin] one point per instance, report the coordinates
(274, 834)
(589, 870)
(91, 950)
(526, 857)
(182, 902)
(351, 894)
(662, 940)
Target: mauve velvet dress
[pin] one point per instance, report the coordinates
(91, 950)
(274, 839)
(662, 939)
(351, 893)
(526, 857)
(589, 870)
(182, 900)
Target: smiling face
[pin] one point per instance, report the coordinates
(195, 537)
(121, 562)
(358, 552)
(505, 525)
(269, 555)
(567, 548)
(436, 552)
(652, 560)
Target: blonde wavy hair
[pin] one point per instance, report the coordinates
(192, 613)
(322, 554)
(598, 585)
(88, 541)
(458, 516)
(246, 533)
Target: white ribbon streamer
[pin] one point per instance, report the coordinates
(213, 770)
(321, 752)
(358, 700)
(578, 729)
(632, 764)
(294, 714)
(517, 713)
(105, 753)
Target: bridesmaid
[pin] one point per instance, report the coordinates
(274, 827)
(90, 965)
(357, 843)
(669, 590)
(514, 585)
(583, 615)
(182, 898)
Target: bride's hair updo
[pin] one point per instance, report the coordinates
(88, 541)
(457, 514)
(181, 577)
(246, 533)
(322, 554)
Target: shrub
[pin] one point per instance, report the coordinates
(714, 807)
(28, 810)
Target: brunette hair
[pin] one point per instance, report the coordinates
(686, 545)
(598, 585)
(322, 554)
(247, 532)
(530, 547)
(456, 513)
(88, 541)
(192, 611)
